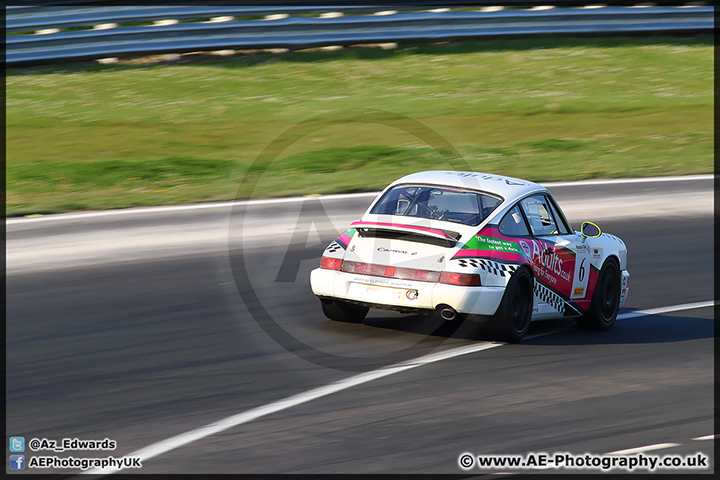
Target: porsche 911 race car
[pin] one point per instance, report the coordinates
(473, 245)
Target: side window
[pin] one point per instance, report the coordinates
(563, 228)
(513, 224)
(538, 214)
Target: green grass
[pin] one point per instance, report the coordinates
(87, 136)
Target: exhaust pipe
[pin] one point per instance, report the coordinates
(448, 314)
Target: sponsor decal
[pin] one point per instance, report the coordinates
(383, 249)
(334, 247)
(491, 244)
(526, 248)
(485, 176)
(495, 268)
(497, 245)
(549, 297)
(623, 292)
(581, 274)
(547, 263)
(345, 238)
(564, 271)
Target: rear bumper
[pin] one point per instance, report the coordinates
(404, 294)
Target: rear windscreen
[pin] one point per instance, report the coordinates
(458, 206)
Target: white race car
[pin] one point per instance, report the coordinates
(473, 245)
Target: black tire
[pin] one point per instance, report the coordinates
(605, 302)
(512, 319)
(343, 311)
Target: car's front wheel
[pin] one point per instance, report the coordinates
(605, 300)
(343, 311)
(512, 319)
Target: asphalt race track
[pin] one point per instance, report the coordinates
(131, 327)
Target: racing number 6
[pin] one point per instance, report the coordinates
(580, 276)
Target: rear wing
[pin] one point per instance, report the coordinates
(411, 233)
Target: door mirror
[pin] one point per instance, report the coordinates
(589, 229)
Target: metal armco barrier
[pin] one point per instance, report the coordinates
(191, 29)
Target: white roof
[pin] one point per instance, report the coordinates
(507, 187)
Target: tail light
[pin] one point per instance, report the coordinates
(331, 263)
(463, 279)
(414, 274)
(365, 268)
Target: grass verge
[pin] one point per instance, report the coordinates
(89, 136)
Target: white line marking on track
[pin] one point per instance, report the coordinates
(119, 211)
(200, 206)
(180, 208)
(706, 437)
(672, 308)
(232, 421)
(639, 313)
(581, 183)
(182, 439)
(646, 448)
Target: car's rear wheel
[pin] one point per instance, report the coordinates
(605, 302)
(512, 319)
(343, 311)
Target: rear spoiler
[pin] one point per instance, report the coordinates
(445, 235)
